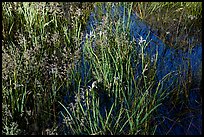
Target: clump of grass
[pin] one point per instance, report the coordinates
(38, 53)
(10, 127)
(129, 101)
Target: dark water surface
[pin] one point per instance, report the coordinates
(169, 59)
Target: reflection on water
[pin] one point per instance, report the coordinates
(169, 59)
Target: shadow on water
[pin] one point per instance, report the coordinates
(170, 119)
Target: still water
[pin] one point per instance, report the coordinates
(169, 59)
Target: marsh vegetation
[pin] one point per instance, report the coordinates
(84, 69)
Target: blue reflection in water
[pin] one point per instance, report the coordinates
(169, 60)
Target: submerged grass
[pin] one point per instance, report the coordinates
(54, 81)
